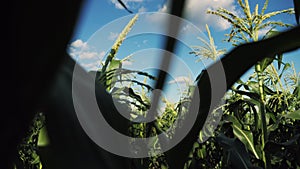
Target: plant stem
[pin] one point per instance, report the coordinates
(262, 111)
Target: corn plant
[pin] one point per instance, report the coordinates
(207, 50)
(246, 29)
(120, 82)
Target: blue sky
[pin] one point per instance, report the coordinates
(101, 21)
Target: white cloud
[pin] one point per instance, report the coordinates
(126, 2)
(113, 36)
(181, 80)
(90, 66)
(88, 55)
(159, 19)
(188, 28)
(80, 50)
(164, 8)
(142, 9)
(79, 44)
(196, 12)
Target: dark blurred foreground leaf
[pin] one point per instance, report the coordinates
(236, 155)
(70, 146)
(289, 150)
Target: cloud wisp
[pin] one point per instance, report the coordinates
(128, 3)
(181, 80)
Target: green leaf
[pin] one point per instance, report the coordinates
(43, 139)
(274, 126)
(254, 86)
(245, 137)
(252, 103)
(114, 65)
(294, 115)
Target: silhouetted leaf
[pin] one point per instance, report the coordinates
(297, 10)
(286, 66)
(279, 60)
(250, 94)
(124, 6)
(266, 62)
(268, 91)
